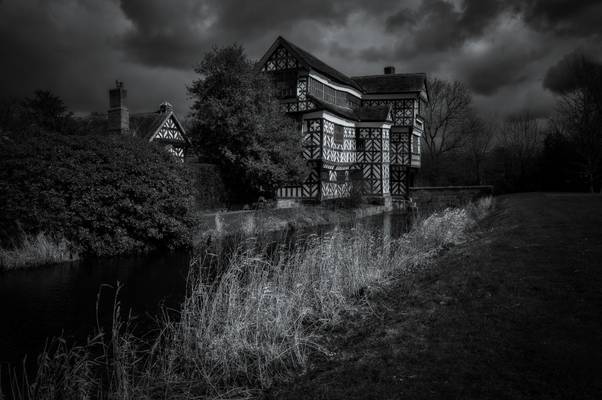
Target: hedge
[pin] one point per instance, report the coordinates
(109, 194)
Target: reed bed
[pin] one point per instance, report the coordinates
(38, 250)
(251, 324)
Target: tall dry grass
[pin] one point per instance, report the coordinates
(38, 250)
(256, 322)
(259, 320)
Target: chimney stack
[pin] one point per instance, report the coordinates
(165, 107)
(389, 70)
(119, 115)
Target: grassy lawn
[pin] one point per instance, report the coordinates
(514, 313)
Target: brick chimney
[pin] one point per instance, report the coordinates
(119, 115)
(389, 70)
(165, 107)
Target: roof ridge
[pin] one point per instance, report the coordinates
(398, 74)
(304, 54)
(146, 113)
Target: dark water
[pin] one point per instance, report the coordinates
(41, 303)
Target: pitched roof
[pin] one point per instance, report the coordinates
(144, 125)
(368, 84)
(374, 114)
(391, 83)
(361, 114)
(341, 111)
(319, 65)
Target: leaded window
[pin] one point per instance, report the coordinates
(285, 82)
(339, 135)
(415, 144)
(316, 88)
(330, 95)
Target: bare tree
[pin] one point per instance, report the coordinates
(446, 114)
(579, 116)
(521, 138)
(479, 137)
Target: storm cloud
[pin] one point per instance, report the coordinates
(502, 50)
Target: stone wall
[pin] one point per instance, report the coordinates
(440, 197)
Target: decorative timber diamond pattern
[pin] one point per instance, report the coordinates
(280, 60)
(169, 131)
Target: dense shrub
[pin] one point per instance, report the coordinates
(107, 194)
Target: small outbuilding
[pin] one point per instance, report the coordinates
(160, 126)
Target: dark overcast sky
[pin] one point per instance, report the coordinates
(500, 49)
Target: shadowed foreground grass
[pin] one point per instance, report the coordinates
(513, 313)
(252, 326)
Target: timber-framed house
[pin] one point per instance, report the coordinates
(362, 131)
(161, 126)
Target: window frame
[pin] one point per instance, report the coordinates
(339, 134)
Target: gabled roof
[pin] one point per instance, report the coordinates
(362, 114)
(146, 125)
(311, 61)
(341, 111)
(368, 84)
(374, 114)
(391, 83)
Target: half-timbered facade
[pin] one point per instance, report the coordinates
(368, 126)
(161, 126)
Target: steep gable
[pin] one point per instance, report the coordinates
(158, 125)
(280, 59)
(280, 55)
(145, 125)
(170, 130)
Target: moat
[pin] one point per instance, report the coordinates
(62, 299)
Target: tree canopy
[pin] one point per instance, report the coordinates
(43, 110)
(446, 114)
(579, 115)
(238, 124)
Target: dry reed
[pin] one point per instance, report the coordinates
(253, 324)
(38, 250)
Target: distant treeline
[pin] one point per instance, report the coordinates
(522, 152)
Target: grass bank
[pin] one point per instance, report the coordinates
(37, 250)
(513, 313)
(253, 326)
